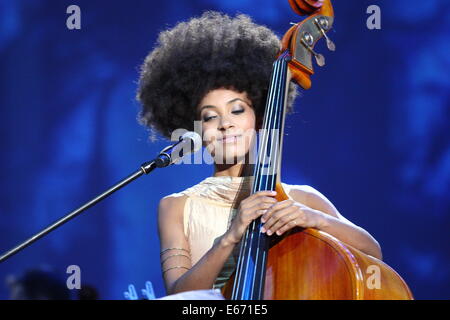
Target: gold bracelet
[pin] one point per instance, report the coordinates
(177, 267)
(174, 255)
(165, 250)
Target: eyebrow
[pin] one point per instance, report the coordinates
(231, 101)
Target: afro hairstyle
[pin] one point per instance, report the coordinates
(209, 52)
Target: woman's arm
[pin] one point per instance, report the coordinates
(179, 274)
(310, 208)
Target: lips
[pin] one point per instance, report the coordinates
(229, 139)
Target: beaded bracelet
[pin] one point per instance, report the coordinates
(177, 267)
(174, 255)
(165, 250)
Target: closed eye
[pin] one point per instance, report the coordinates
(206, 119)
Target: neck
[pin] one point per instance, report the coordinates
(234, 170)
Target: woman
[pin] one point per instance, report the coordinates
(216, 69)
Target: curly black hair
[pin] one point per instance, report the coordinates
(206, 53)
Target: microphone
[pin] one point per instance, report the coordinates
(188, 143)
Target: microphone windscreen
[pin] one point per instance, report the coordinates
(196, 139)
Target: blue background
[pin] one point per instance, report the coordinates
(372, 134)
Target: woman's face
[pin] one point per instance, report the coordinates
(228, 125)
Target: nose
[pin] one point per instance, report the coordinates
(225, 123)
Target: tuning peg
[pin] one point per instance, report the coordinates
(308, 40)
(323, 25)
(330, 44)
(320, 59)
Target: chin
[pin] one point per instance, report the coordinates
(229, 154)
(231, 158)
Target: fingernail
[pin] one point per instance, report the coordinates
(263, 220)
(269, 232)
(278, 232)
(262, 230)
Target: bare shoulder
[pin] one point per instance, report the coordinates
(175, 200)
(170, 222)
(172, 206)
(314, 199)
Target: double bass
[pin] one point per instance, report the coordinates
(304, 263)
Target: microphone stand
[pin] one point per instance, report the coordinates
(145, 168)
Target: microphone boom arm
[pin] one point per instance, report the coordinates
(146, 168)
(164, 159)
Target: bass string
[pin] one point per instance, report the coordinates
(272, 176)
(246, 260)
(243, 261)
(269, 138)
(252, 268)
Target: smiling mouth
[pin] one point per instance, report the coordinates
(232, 139)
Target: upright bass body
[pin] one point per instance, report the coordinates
(326, 268)
(307, 264)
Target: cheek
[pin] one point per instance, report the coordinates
(248, 122)
(208, 134)
(249, 126)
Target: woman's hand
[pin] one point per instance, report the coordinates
(249, 209)
(288, 214)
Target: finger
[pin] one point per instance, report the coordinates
(296, 219)
(273, 219)
(276, 207)
(277, 220)
(257, 210)
(260, 193)
(287, 222)
(265, 193)
(260, 199)
(249, 214)
(290, 225)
